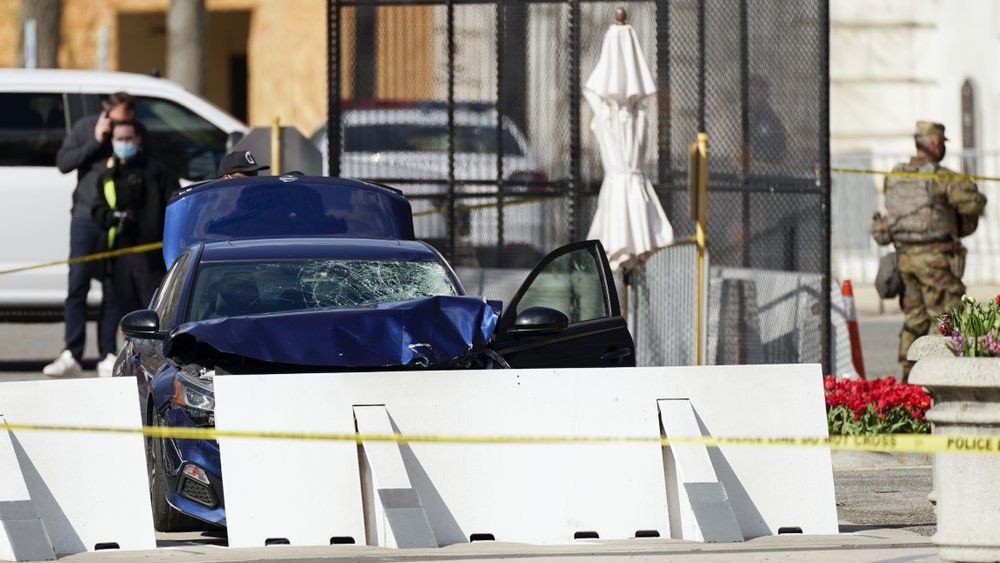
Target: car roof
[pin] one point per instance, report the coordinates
(323, 248)
(78, 78)
(361, 117)
(100, 82)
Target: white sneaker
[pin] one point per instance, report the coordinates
(106, 366)
(63, 366)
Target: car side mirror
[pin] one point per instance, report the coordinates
(538, 321)
(144, 323)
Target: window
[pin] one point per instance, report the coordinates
(571, 284)
(165, 301)
(32, 128)
(969, 155)
(412, 137)
(190, 146)
(230, 289)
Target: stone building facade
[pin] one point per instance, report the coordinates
(279, 42)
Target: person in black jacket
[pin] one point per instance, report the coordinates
(86, 150)
(133, 191)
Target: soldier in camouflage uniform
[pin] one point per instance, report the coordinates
(925, 219)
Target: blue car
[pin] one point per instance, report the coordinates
(302, 274)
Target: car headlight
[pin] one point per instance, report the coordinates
(196, 397)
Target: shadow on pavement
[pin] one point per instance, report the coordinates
(213, 537)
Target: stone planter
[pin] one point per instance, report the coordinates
(966, 393)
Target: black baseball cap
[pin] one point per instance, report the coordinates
(240, 161)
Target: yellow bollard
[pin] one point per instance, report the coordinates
(698, 184)
(276, 147)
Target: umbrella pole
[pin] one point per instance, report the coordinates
(626, 279)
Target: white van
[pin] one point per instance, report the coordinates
(37, 109)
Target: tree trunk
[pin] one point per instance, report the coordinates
(186, 44)
(46, 14)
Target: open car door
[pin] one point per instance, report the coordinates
(566, 314)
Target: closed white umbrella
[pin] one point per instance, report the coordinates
(629, 222)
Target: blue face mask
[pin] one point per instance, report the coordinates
(124, 150)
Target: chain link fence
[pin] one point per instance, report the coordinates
(473, 109)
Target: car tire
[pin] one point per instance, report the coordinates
(165, 517)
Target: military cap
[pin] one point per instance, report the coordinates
(930, 128)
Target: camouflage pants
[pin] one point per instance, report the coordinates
(931, 285)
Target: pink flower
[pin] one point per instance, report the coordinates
(990, 343)
(945, 327)
(957, 342)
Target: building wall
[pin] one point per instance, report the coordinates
(227, 34)
(893, 62)
(287, 59)
(286, 50)
(405, 43)
(9, 34)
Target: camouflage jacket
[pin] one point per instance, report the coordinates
(952, 189)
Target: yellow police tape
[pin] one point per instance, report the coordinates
(158, 245)
(907, 174)
(89, 258)
(514, 201)
(896, 443)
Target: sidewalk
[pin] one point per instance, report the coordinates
(871, 545)
(867, 301)
(880, 330)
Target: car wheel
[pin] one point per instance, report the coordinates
(165, 517)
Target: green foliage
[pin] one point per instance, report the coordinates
(973, 327)
(896, 420)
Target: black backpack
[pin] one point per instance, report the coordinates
(888, 281)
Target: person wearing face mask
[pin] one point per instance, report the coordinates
(134, 190)
(85, 150)
(928, 210)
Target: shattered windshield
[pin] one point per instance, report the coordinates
(230, 289)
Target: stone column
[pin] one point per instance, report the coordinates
(966, 393)
(186, 44)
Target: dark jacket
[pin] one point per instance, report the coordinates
(83, 153)
(143, 187)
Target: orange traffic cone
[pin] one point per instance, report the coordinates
(851, 313)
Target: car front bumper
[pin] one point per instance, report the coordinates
(203, 501)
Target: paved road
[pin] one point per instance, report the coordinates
(875, 498)
(26, 348)
(879, 343)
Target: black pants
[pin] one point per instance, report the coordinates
(136, 278)
(84, 238)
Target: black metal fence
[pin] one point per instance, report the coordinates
(473, 108)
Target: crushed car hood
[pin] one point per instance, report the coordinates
(434, 332)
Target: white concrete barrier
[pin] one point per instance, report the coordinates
(90, 490)
(533, 493)
(699, 506)
(22, 534)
